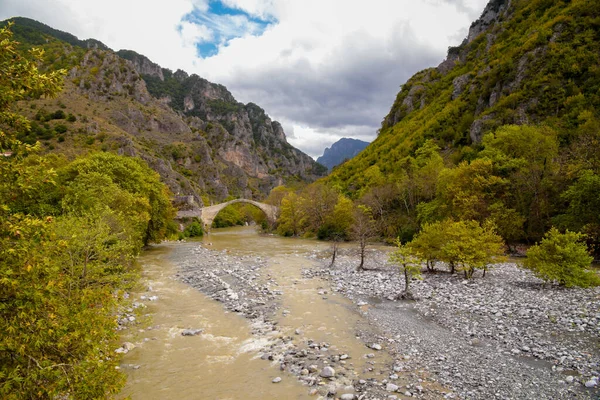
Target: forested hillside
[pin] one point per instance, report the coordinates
(506, 129)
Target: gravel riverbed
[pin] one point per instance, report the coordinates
(505, 336)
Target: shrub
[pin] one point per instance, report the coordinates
(194, 230)
(562, 258)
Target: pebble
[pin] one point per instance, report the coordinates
(390, 387)
(327, 372)
(276, 380)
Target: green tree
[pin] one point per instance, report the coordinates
(562, 258)
(430, 241)
(20, 79)
(318, 203)
(134, 176)
(337, 226)
(583, 212)
(526, 157)
(470, 246)
(292, 218)
(409, 263)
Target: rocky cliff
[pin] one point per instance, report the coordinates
(202, 141)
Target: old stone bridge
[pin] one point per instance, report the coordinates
(208, 214)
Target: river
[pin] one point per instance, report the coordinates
(224, 361)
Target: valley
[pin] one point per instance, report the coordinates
(161, 239)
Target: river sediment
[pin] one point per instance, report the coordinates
(291, 326)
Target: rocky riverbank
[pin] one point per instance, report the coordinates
(243, 286)
(504, 336)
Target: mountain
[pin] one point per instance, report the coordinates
(524, 62)
(193, 132)
(342, 150)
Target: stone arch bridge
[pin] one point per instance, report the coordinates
(208, 214)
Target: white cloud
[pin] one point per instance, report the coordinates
(325, 68)
(192, 34)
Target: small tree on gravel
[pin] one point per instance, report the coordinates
(410, 265)
(562, 258)
(471, 246)
(363, 230)
(429, 242)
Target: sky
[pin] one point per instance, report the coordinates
(325, 69)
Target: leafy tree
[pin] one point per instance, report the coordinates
(19, 80)
(363, 230)
(292, 217)
(68, 235)
(134, 176)
(430, 241)
(409, 263)
(277, 194)
(194, 230)
(562, 258)
(470, 246)
(526, 157)
(469, 189)
(464, 245)
(337, 227)
(318, 203)
(583, 212)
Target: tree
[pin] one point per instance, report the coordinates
(131, 175)
(583, 212)
(464, 245)
(337, 227)
(430, 241)
(363, 230)
(409, 263)
(562, 258)
(318, 203)
(470, 246)
(292, 217)
(526, 157)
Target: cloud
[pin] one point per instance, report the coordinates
(324, 68)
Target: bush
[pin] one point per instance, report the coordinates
(194, 230)
(562, 258)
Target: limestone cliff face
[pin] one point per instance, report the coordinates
(193, 132)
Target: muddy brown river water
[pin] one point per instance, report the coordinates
(224, 361)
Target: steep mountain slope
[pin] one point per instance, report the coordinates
(193, 132)
(342, 150)
(523, 62)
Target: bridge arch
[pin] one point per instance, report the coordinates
(208, 214)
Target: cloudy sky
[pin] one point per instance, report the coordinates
(325, 69)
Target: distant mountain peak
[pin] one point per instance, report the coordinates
(342, 150)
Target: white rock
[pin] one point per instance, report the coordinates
(276, 380)
(591, 383)
(390, 387)
(327, 372)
